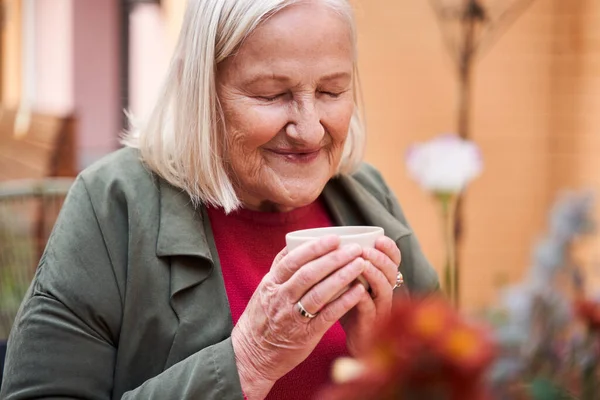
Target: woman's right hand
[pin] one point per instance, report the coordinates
(271, 336)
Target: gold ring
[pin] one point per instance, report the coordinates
(399, 280)
(303, 311)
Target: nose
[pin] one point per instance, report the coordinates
(305, 123)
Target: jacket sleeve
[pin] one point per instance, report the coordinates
(65, 338)
(422, 277)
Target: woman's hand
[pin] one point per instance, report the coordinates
(381, 273)
(272, 337)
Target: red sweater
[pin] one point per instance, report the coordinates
(247, 242)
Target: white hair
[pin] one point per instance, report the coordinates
(180, 139)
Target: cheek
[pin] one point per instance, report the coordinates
(337, 119)
(253, 127)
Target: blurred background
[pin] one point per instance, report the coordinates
(68, 69)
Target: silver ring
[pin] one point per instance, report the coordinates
(399, 280)
(303, 311)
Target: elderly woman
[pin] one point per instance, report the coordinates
(166, 275)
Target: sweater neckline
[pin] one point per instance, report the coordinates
(271, 218)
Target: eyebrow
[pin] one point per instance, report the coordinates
(282, 78)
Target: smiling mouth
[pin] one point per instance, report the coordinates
(297, 156)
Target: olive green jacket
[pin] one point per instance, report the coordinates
(128, 301)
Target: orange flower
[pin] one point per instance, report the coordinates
(461, 344)
(426, 349)
(467, 347)
(429, 319)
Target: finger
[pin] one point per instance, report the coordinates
(366, 316)
(365, 308)
(333, 286)
(380, 286)
(280, 255)
(315, 271)
(335, 310)
(388, 247)
(383, 263)
(284, 267)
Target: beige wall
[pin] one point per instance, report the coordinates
(536, 95)
(575, 124)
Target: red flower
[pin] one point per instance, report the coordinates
(589, 312)
(426, 350)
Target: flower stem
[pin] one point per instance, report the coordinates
(451, 274)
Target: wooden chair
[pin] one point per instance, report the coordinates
(36, 145)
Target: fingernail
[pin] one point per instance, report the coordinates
(361, 261)
(353, 249)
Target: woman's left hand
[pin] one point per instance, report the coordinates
(381, 272)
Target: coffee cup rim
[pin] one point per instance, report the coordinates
(308, 233)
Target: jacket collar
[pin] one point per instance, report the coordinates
(181, 234)
(181, 231)
(185, 230)
(351, 204)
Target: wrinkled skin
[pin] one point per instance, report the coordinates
(287, 98)
(287, 92)
(271, 337)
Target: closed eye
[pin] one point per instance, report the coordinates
(271, 98)
(333, 95)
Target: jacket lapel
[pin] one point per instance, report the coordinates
(181, 233)
(197, 291)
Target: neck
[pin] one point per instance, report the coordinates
(267, 206)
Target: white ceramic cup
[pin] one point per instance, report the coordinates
(365, 236)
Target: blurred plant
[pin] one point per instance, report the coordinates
(546, 329)
(444, 166)
(426, 350)
(542, 340)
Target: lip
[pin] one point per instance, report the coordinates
(299, 156)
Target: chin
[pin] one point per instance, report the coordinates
(299, 195)
(284, 189)
(300, 201)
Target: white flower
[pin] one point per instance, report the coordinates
(346, 369)
(445, 164)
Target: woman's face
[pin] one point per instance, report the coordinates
(287, 100)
